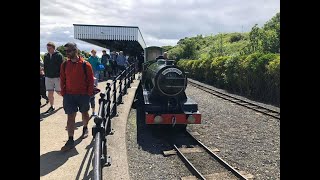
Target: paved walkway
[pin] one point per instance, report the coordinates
(77, 163)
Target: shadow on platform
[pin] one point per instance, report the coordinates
(53, 160)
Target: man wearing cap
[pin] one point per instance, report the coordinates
(76, 88)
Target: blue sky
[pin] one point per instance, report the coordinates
(160, 22)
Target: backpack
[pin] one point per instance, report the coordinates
(83, 66)
(95, 89)
(100, 67)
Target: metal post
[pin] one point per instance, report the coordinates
(104, 159)
(125, 81)
(106, 113)
(134, 72)
(120, 91)
(97, 132)
(114, 111)
(101, 113)
(100, 120)
(108, 125)
(129, 76)
(97, 153)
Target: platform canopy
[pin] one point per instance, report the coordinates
(116, 38)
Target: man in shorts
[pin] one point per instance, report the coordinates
(76, 88)
(52, 62)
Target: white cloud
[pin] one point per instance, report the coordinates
(161, 22)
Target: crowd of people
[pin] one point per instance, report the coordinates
(76, 80)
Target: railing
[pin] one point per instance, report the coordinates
(108, 102)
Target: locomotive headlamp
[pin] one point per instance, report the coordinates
(158, 119)
(191, 119)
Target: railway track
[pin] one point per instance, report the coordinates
(255, 107)
(200, 147)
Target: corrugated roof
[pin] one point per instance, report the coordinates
(113, 33)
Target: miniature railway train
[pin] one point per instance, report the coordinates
(162, 88)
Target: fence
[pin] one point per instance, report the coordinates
(108, 102)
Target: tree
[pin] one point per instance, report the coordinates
(82, 53)
(61, 50)
(85, 54)
(235, 37)
(176, 53)
(189, 50)
(271, 35)
(255, 38)
(266, 39)
(273, 23)
(167, 48)
(270, 41)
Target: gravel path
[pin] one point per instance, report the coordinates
(246, 139)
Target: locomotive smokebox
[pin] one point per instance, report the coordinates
(165, 79)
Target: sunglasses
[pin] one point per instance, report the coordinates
(69, 50)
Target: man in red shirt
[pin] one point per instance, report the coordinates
(76, 88)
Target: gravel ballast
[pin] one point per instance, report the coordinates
(246, 139)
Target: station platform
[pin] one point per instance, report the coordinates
(77, 162)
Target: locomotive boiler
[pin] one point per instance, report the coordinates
(163, 88)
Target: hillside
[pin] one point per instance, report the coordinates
(265, 39)
(243, 63)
